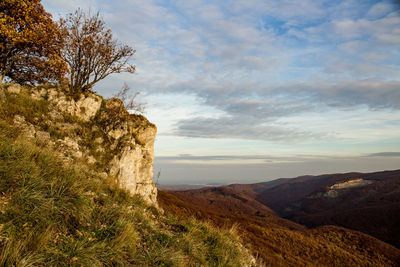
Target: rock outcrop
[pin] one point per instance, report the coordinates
(97, 131)
(84, 108)
(134, 138)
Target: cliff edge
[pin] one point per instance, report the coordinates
(72, 169)
(88, 128)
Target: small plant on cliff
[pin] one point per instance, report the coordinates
(118, 109)
(29, 43)
(129, 100)
(91, 52)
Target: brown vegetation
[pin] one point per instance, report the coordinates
(34, 49)
(30, 43)
(279, 242)
(373, 209)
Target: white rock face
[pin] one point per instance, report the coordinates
(129, 138)
(85, 108)
(134, 166)
(71, 145)
(351, 183)
(126, 168)
(27, 129)
(336, 189)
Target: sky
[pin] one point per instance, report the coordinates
(246, 91)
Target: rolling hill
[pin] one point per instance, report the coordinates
(367, 202)
(277, 241)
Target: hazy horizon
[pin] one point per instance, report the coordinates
(250, 91)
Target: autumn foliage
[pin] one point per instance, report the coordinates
(29, 43)
(35, 49)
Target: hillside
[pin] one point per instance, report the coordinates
(65, 205)
(76, 190)
(372, 206)
(279, 242)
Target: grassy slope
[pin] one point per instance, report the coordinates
(56, 214)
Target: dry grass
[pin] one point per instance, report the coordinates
(58, 214)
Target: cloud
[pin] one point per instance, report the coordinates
(262, 159)
(379, 10)
(351, 93)
(216, 45)
(256, 70)
(222, 159)
(257, 62)
(385, 154)
(258, 117)
(59, 8)
(240, 128)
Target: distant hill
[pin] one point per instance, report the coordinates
(181, 187)
(367, 202)
(277, 241)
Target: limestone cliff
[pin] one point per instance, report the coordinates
(97, 131)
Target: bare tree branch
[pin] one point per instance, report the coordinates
(91, 52)
(129, 100)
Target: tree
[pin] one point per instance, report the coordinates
(91, 52)
(30, 43)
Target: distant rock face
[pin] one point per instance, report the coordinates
(338, 189)
(351, 183)
(96, 130)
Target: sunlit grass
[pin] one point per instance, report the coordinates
(54, 213)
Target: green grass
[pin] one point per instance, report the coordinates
(22, 104)
(54, 214)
